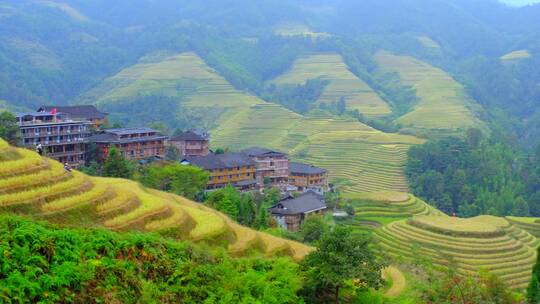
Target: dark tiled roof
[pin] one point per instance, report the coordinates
(221, 161)
(258, 152)
(189, 135)
(127, 131)
(305, 169)
(103, 138)
(307, 202)
(113, 136)
(85, 111)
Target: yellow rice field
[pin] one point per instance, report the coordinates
(124, 205)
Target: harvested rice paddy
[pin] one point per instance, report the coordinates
(40, 187)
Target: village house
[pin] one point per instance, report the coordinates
(61, 137)
(80, 113)
(291, 213)
(191, 143)
(234, 169)
(308, 178)
(272, 166)
(134, 143)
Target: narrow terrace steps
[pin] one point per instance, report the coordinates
(29, 162)
(33, 199)
(470, 244)
(53, 174)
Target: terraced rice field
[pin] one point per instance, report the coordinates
(529, 224)
(516, 55)
(371, 160)
(376, 209)
(183, 75)
(443, 105)
(368, 159)
(428, 42)
(40, 187)
(295, 29)
(484, 242)
(343, 83)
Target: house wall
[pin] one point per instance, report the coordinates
(134, 151)
(303, 181)
(65, 142)
(192, 147)
(220, 178)
(275, 168)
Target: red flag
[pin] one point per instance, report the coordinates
(53, 111)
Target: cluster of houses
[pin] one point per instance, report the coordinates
(64, 133)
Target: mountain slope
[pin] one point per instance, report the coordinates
(342, 83)
(374, 161)
(443, 105)
(40, 187)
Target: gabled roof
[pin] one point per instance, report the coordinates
(261, 152)
(221, 161)
(189, 135)
(84, 111)
(306, 203)
(301, 168)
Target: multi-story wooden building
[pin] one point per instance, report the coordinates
(291, 213)
(191, 143)
(80, 113)
(272, 166)
(234, 169)
(308, 178)
(134, 143)
(61, 137)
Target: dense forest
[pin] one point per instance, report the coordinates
(476, 175)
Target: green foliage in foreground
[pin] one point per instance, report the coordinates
(342, 259)
(40, 263)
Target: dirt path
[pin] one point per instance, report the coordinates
(398, 281)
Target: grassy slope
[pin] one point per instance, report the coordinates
(443, 105)
(356, 92)
(31, 185)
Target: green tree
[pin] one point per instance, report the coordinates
(341, 106)
(9, 130)
(187, 181)
(340, 257)
(116, 165)
(521, 208)
(313, 228)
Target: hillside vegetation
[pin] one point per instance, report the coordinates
(342, 83)
(40, 187)
(443, 105)
(44, 263)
